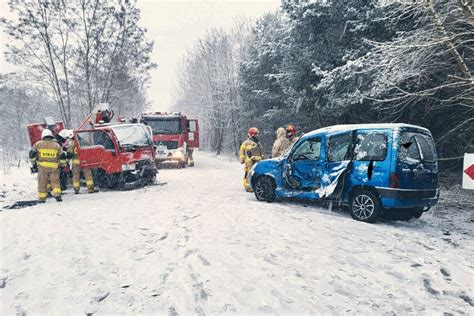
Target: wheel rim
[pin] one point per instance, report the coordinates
(260, 189)
(363, 206)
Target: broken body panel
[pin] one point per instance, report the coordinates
(396, 162)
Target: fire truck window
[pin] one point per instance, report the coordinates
(96, 138)
(102, 139)
(165, 126)
(84, 139)
(192, 126)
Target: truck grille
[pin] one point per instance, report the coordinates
(168, 144)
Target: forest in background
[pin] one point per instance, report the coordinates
(315, 64)
(71, 55)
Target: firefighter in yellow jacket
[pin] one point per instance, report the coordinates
(46, 157)
(76, 171)
(251, 152)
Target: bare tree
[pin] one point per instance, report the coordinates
(85, 52)
(209, 86)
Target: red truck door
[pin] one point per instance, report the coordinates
(34, 130)
(96, 150)
(193, 133)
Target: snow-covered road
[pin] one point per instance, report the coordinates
(201, 245)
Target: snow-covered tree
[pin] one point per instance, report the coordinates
(82, 52)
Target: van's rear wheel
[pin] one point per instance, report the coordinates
(265, 189)
(365, 207)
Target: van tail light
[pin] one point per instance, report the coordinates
(394, 181)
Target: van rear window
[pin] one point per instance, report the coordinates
(427, 149)
(371, 146)
(416, 146)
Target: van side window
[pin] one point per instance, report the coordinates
(308, 150)
(372, 146)
(338, 148)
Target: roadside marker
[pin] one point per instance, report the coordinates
(468, 172)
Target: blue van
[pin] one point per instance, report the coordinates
(368, 168)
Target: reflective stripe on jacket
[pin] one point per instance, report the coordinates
(48, 153)
(75, 157)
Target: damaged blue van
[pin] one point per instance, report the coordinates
(369, 168)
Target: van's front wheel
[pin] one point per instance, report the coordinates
(365, 207)
(265, 189)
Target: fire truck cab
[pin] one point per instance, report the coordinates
(175, 137)
(121, 154)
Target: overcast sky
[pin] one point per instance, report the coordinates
(174, 25)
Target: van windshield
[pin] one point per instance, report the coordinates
(416, 147)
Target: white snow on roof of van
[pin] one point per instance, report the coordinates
(343, 127)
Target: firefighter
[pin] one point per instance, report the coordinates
(46, 157)
(76, 171)
(191, 158)
(281, 143)
(291, 134)
(251, 152)
(63, 138)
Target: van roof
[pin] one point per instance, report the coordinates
(349, 127)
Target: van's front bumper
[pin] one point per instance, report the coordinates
(407, 198)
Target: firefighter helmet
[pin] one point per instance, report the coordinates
(291, 130)
(66, 133)
(46, 133)
(253, 131)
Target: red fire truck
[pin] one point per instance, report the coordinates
(175, 137)
(121, 154)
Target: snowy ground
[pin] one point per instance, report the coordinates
(201, 245)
